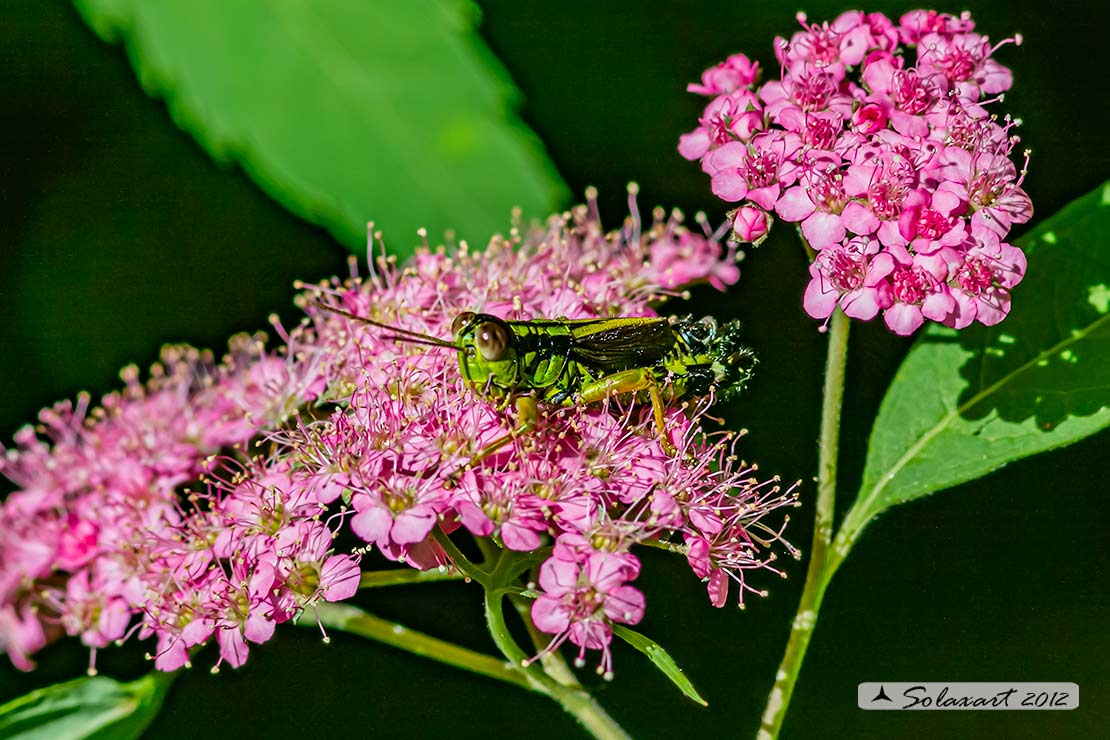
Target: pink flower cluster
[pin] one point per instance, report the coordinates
(203, 505)
(878, 142)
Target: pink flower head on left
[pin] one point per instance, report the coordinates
(159, 515)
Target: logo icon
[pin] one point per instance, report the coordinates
(881, 696)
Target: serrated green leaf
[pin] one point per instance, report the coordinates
(966, 403)
(86, 709)
(662, 660)
(345, 111)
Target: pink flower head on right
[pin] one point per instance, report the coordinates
(877, 140)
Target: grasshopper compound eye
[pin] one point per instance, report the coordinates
(491, 340)
(461, 321)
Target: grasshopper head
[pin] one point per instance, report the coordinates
(487, 353)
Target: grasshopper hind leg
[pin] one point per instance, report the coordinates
(632, 381)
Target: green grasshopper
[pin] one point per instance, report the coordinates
(567, 362)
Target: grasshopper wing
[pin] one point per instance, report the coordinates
(613, 345)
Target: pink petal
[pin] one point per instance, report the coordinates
(820, 298)
(558, 576)
(766, 197)
(372, 524)
(795, 205)
(259, 627)
(339, 577)
(729, 185)
(718, 588)
(862, 304)
(823, 230)
(550, 615)
(727, 157)
(993, 311)
(903, 318)
(859, 219)
(694, 145)
(697, 555)
(518, 538)
(938, 306)
(113, 620)
(625, 604)
(413, 525)
(233, 648)
(172, 653)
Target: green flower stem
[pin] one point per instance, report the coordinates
(347, 618)
(574, 700)
(469, 569)
(405, 576)
(671, 547)
(490, 551)
(822, 563)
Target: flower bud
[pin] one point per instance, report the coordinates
(750, 224)
(869, 118)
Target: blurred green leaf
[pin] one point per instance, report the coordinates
(966, 403)
(345, 111)
(662, 660)
(86, 709)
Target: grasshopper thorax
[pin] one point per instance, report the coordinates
(487, 353)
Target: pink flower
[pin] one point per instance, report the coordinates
(485, 509)
(734, 117)
(581, 598)
(852, 276)
(732, 74)
(931, 220)
(756, 171)
(247, 614)
(93, 611)
(817, 201)
(21, 635)
(990, 185)
(964, 61)
(688, 259)
(870, 118)
(918, 290)
(398, 513)
(725, 546)
(832, 46)
(916, 24)
(981, 281)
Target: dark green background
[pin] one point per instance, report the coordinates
(119, 234)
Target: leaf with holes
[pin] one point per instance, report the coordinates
(966, 403)
(345, 111)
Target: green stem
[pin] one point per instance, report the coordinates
(671, 547)
(351, 619)
(574, 700)
(821, 565)
(405, 576)
(469, 569)
(490, 551)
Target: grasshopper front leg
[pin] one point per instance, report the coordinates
(527, 414)
(631, 381)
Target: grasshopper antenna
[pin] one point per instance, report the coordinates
(395, 333)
